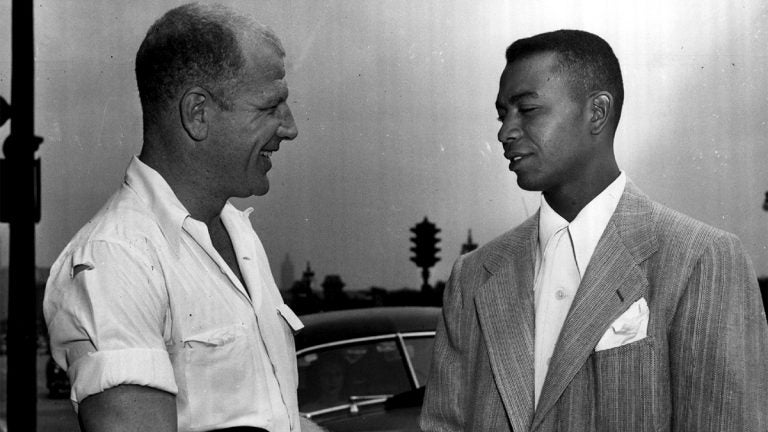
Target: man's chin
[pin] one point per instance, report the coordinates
(527, 185)
(261, 188)
(260, 191)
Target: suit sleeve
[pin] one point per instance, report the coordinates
(442, 409)
(719, 345)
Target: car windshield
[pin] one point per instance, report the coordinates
(328, 377)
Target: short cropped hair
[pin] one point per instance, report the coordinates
(587, 59)
(195, 45)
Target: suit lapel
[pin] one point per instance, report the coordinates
(612, 282)
(505, 310)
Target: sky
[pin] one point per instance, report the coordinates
(394, 102)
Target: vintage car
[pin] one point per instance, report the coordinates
(365, 369)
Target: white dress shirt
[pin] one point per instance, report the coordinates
(141, 296)
(553, 294)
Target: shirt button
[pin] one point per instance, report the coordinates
(560, 294)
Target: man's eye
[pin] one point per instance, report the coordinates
(527, 110)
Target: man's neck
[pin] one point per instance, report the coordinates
(570, 199)
(202, 204)
(202, 208)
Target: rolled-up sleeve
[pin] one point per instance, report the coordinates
(105, 306)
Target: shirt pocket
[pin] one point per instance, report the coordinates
(630, 388)
(219, 375)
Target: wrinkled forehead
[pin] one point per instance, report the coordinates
(255, 34)
(272, 93)
(264, 64)
(264, 70)
(265, 80)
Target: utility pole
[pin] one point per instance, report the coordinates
(20, 207)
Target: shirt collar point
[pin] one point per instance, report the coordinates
(153, 189)
(172, 231)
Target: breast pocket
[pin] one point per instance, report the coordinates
(630, 391)
(219, 375)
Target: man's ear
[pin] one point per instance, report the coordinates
(601, 109)
(194, 106)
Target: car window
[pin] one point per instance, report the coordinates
(420, 352)
(328, 378)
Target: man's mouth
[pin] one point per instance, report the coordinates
(268, 149)
(515, 157)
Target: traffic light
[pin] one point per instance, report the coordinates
(425, 244)
(425, 247)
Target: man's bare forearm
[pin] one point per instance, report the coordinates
(129, 408)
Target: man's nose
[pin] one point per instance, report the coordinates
(509, 131)
(287, 129)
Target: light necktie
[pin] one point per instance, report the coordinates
(555, 287)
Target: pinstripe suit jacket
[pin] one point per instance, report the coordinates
(702, 367)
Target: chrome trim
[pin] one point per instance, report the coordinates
(408, 364)
(419, 334)
(349, 406)
(346, 342)
(364, 339)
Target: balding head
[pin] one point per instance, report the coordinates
(195, 45)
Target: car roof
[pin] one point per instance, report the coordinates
(326, 327)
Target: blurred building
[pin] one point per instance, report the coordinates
(303, 298)
(469, 246)
(287, 274)
(334, 297)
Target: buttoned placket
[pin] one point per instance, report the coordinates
(556, 284)
(245, 252)
(198, 231)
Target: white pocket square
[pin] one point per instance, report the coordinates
(631, 326)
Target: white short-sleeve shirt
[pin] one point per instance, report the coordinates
(140, 296)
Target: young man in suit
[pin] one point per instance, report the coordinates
(605, 310)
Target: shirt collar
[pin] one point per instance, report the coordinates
(152, 188)
(587, 227)
(233, 217)
(550, 222)
(162, 201)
